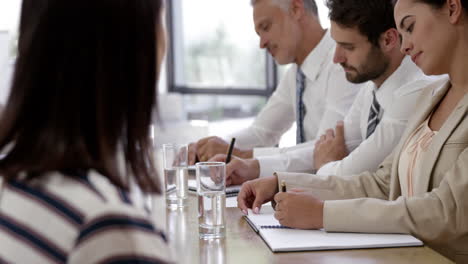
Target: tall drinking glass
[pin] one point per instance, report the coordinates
(175, 175)
(211, 187)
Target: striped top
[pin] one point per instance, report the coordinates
(85, 219)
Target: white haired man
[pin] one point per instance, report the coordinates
(314, 92)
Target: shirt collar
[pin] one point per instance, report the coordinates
(314, 62)
(405, 73)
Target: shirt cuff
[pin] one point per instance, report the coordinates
(269, 165)
(328, 169)
(258, 152)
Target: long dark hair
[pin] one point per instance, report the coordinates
(30, 12)
(83, 91)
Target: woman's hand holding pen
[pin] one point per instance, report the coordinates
(299, 209)
(257, 192)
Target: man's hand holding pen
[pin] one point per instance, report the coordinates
(239, 170)
(206, 148)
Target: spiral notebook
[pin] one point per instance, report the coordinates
(284, 239)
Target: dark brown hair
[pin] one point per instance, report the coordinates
(439, 3)
(83, 91)
(371, 17)
(30, 12)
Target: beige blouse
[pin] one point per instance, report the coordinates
(415, 150)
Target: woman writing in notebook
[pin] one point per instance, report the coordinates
(75, 134)
(422, 188)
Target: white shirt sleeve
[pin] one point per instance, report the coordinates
(299, 158)
(373, 150)
(274, 119)
(370, 153)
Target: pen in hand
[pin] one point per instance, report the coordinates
(229, 153)
(283, 189)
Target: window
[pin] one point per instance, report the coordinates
(216, 52)
(214, 58)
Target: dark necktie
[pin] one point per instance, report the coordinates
(300, 108)
(373, 116)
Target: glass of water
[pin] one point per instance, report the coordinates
(175, 175)
(211, 187)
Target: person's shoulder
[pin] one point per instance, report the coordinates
(121, 215)
(111, 197)
(416, 94)
(436, 84)
(411, 79)
(124, 232)
(421, 85)
(116, 216)
(91, 194)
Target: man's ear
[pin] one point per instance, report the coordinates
(297, 9)
(389, 40)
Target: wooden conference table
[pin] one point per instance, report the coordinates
(242, 245)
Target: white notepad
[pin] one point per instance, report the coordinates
(283, 239)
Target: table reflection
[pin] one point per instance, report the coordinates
(177, 222)
(213, 251)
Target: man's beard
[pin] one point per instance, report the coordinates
(375, 65)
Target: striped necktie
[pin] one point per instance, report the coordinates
(300, 108)
(374, 117)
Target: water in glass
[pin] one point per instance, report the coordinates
(211, 216)
(176, 181)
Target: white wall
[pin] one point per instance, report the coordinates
(5, 66)
(323, 13)
(9, 17)
(4, 47)
(9, 14)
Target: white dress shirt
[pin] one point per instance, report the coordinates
(397, 96)
(327, 98)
